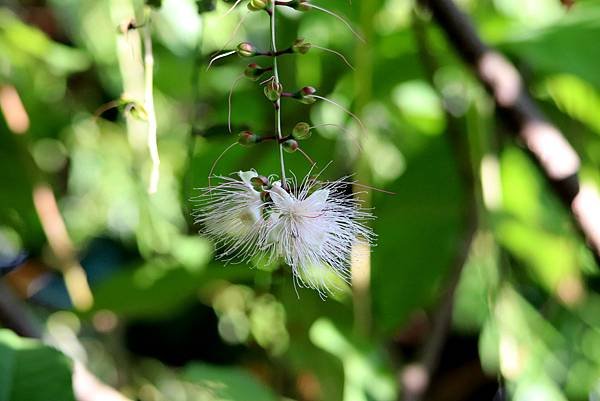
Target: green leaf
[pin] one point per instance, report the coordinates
(569, 46)
(227, 384)
(367, 373)
(31, 371)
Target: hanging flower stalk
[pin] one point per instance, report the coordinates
(313, 225)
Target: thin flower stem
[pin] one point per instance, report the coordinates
(307, 157)
(235, 30)
(215, 58)
(358, 36)
(105, 107)
(277, 103)
(358, 120)
(340, 55)
(229, 101)
(231, 8)
(149, 106)
(214, 165)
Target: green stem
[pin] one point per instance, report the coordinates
(277, 103)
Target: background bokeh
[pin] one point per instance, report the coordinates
(169, 322)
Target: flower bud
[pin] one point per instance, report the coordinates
(300, 5)
(248, 138)
(254, 71)
(273, 90)
(301, 46)
(257, 5)
(290, 146)
(246, 49)
(304, 95)
(259, 183)
(301, 131)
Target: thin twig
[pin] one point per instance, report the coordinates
(58, 238)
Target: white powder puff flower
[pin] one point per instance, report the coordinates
(230, 214)
(315, 227)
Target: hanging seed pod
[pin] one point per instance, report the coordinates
(301, 131)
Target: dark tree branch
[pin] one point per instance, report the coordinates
(517, 110)
(416, 377)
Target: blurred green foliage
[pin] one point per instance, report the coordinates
(527, 302)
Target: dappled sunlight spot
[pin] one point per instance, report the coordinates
(13, 110)
(49, 154)
(234, 327)
(324, 279)
(105, 321)
(122, 217)
(268, 320)
(512, 357)
(178, 25)
(414, 378)
(503, 77)
(244, 315)
(491, 182)
(308, 386)
(537, 388)
(570, 290)
(393, 16)
(386, 161)
(555, 154)
(420, 106)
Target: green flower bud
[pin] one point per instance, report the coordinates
(290, 146)
(300, 5)
(246, 49)
(304, 95)
(254, 71)
(301, 46)
(273, 90)
(301, 131)
(248, 138)
(257, 5)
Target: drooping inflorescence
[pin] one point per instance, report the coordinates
(312, 226)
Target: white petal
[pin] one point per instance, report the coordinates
(281, 198)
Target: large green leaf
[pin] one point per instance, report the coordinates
(570, 46)
(227, 384)
(31, 371)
